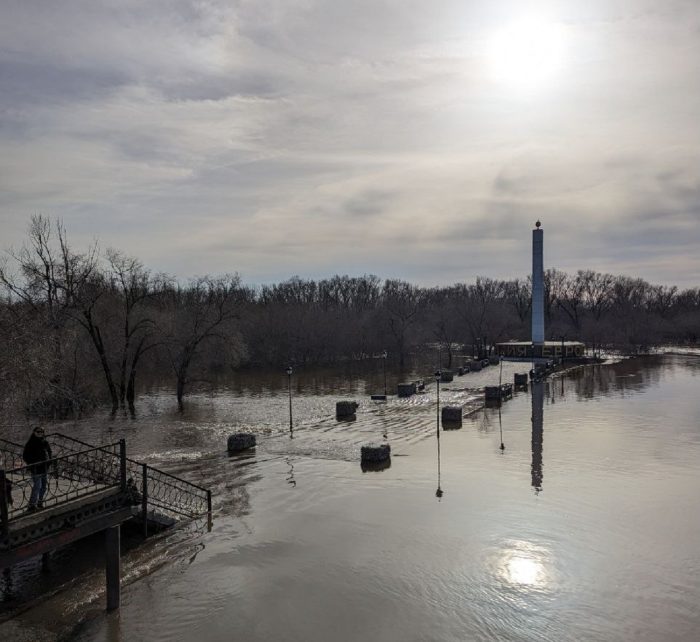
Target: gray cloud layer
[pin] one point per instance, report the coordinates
(309, 137)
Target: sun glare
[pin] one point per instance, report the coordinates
(527, 54)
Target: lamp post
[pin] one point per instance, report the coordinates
(289, 385)
(438, 376)
(384, 355)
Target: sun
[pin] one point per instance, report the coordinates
(527, 54)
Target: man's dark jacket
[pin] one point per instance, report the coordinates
(36, 452)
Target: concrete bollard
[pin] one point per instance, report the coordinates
(406, 389)
(451, 417)
(345, 409)
(240, 441)
(374, 453)
(375, 466)
(520, 379)
(446, 376)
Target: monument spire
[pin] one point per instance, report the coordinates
(537, 286)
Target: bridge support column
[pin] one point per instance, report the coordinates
(113, 566)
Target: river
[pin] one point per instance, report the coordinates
(584, 527)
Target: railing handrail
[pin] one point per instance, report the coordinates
(54, 460)
(133, 461)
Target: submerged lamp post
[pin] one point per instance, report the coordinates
(384, 355)
(289, 383)
(438, 376)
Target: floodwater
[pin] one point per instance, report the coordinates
(585, 527)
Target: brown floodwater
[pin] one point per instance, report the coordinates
(585, 527)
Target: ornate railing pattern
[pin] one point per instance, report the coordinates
(80, 469)
(70, 476)
(151, 487)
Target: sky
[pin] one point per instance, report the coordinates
(409, 139)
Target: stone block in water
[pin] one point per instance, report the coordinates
(406, 389)
(452, 414)
(345, 409)
(446, 376)
(240, 441)
(494, 359)
(492, 392)
(475, 365)
(375, 453)
(375, 466)
(520, 379)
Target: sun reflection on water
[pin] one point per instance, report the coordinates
(522, 564)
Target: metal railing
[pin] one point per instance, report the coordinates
(154, 489)
(66, 478)
(79, 469)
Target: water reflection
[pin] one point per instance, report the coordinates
(439, 492)
(290, 473)
(537, 434)
(524, 565)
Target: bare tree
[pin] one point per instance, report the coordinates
(202, 313)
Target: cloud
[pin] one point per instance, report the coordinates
(315, 137)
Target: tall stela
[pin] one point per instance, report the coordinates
(537, 285)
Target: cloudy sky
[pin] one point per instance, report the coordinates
(405, 138)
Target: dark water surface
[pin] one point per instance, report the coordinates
(585, 528)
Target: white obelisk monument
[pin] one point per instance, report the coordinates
(537, 290)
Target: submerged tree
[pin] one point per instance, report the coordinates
(196, 317)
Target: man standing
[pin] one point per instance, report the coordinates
(36, 454)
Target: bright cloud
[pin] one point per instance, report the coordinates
(313, 138)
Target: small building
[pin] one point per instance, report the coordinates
(548, 350)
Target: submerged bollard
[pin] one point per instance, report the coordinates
(406, 389)
(451, 417)
(240, 441)
(375, 453)
(345, 409)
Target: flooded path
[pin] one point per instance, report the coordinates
(584, 527)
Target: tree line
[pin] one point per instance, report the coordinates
(81, 327)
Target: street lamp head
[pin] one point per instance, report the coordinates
(289, 371)
(438, 375)
(384, 354)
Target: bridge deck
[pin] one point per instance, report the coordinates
(88, 489)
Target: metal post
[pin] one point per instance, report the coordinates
(384, 363)
(289, 383)
(113, 566)
(4, 513)
(438, 376)
(144, 498)
(122, 464)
